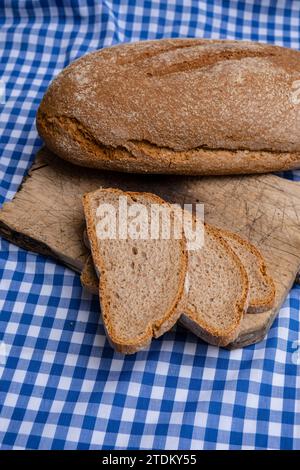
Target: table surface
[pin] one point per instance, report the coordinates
(61, 385)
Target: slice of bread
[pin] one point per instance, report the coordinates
(141, 281)
(216, 291)
(262, 288)
(261, 285)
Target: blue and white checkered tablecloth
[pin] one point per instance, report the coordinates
(62, 386)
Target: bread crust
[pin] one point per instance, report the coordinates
(184, 106)
(71, 143)
(155, 329)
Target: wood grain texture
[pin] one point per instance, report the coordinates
(265, 209)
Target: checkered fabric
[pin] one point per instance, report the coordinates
(62, 386)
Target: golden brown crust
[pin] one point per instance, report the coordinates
(177, 106)
(256, 305)
(153, 330)
(69, 140)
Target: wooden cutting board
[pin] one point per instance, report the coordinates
(46, 217)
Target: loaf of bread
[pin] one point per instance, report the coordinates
(145, 285)
(185, 106)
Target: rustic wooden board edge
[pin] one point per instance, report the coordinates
(30, 244)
